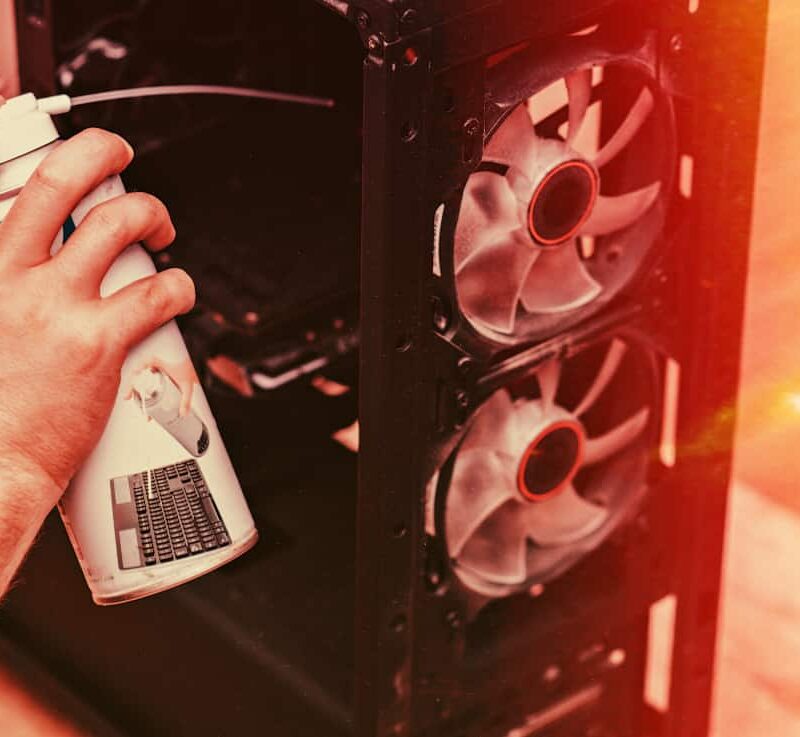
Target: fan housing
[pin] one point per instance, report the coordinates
(554, 222)
(547, 468)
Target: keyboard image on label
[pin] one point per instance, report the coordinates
(165, 514)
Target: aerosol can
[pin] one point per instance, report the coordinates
(158, 502)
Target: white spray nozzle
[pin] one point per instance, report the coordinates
(17, 107)
(55, 105)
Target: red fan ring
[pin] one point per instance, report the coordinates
(552, 459)
(562, 202)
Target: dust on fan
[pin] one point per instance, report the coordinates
(530, 202)
(512, 510)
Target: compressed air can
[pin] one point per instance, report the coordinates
(157, 503)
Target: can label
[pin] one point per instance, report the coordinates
(157, 503)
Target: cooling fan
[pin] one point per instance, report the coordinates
(545, 473)
(544, 237)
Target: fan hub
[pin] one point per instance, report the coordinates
(551, 461)
(562, 202)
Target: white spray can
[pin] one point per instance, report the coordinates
(157, 503)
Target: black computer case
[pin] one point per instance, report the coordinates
(332, 255)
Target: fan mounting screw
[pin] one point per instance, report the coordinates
(472, 127)
(465, 365)
(536, 591)
(409, 19)
(551, 674)
(676, 43)
(617, 658)
(453, 619)
(363, 20)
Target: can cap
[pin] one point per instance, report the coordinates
(26, 125)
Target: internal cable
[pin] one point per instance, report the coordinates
(201, 89)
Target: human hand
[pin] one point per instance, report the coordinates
(182, 374)
(61, 345)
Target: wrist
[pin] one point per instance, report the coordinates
(26, 486)
(27, 494)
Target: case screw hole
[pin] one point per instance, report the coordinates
(408, 132)
(404, 344)
(441, 317)
(472, 127)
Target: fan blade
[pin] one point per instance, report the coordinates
(549, 376)
(611, 214)
(488, 210)
(566, 518)
(600, 448)
(610, 365)
(559, 282)
(490, 281)
(529, 417)
(493, 428)
(579, 89)
(628, 130)
(515, 142)
(497, 551)
(481, 483)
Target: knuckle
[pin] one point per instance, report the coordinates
(86, 346)
(108, 219)
(158, 296)
(52, 176)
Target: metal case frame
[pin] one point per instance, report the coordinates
(424, 113)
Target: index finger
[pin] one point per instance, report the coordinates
(60, 182)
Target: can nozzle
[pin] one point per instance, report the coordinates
(147, 384)
(54, 105)
(26, 125)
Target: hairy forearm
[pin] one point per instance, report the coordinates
(26, 497)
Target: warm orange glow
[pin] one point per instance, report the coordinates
(794, 401)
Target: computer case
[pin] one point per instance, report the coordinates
(334, 253)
